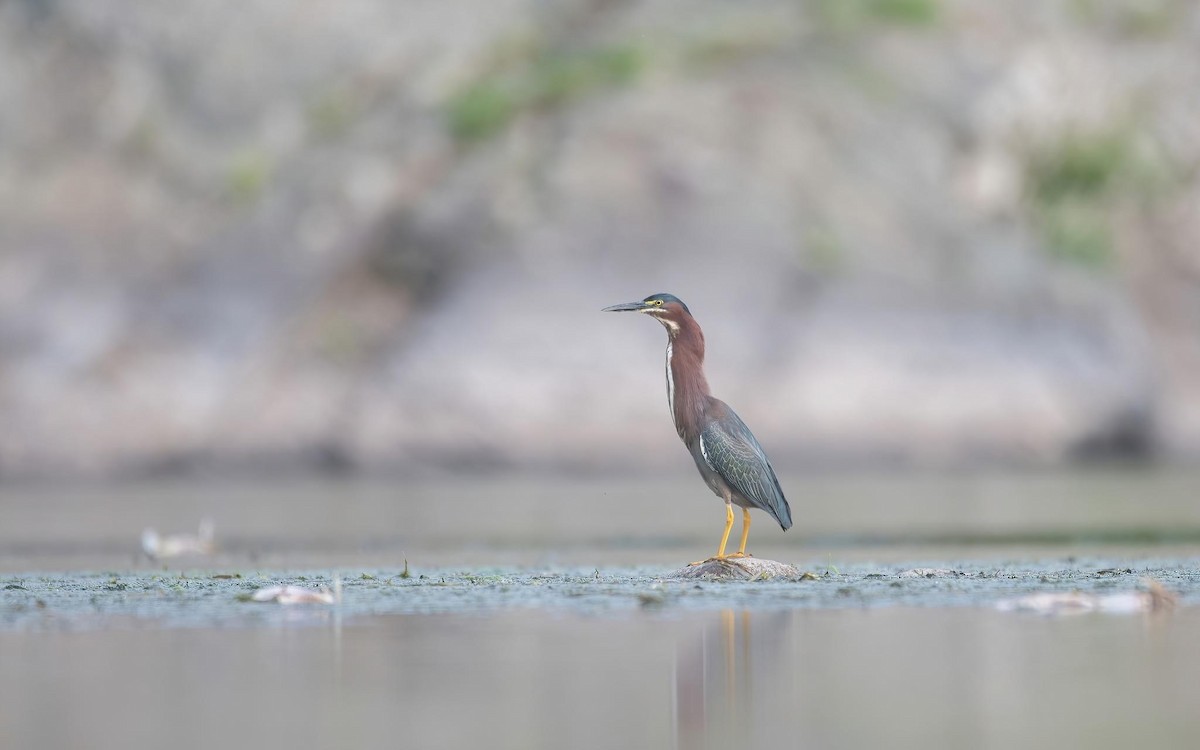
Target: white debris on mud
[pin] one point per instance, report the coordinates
(1154, 599)
(300, 594)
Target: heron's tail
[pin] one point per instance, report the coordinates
(782, 511)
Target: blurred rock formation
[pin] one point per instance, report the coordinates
(267, 235)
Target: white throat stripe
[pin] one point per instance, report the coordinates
(670, 382)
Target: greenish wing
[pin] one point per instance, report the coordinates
(730, 449)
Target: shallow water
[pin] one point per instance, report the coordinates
(529, 520)
(885, 677)
(537, 614)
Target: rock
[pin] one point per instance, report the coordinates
(738, 569)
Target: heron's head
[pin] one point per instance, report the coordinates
(667, 308)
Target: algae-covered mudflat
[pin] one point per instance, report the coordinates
(519, 614)
(224, 598)
(867, 657)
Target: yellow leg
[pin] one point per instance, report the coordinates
(745, 533)
(728, 527)
(724, 537)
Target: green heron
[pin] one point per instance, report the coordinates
(731, 461)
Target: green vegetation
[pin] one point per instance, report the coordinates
(1077, 231)
(848, 15)
(485, 579)
(541, 80)
(332, 113)
(1075, 184)
(560, 79)
(1071, 184)
(729, 44)
(822, 251)
(1134, 19)
(143, 140)
(247, 176)
(482, 110)
(1077, 166)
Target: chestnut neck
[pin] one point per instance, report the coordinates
(687, 388)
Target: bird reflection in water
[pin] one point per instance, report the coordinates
(715, 677)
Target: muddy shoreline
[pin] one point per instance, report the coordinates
(220, 597)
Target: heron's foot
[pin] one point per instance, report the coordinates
(738, 554)
(717, 558)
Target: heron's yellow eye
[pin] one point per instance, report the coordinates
(656, 302)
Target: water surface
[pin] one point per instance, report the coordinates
(536, 613)
(890, 677)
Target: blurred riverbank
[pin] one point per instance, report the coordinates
(355, 237)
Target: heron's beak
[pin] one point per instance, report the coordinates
(627, 307)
